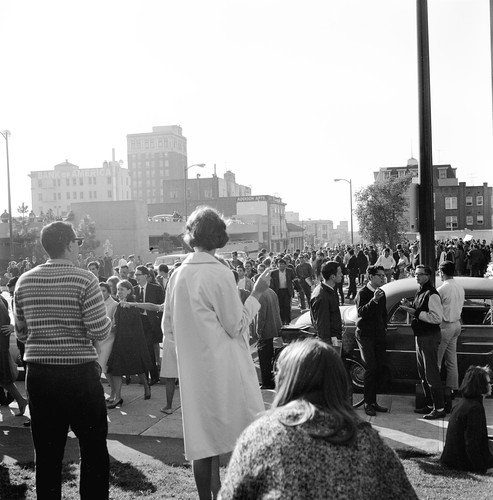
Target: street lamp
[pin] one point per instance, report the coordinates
(350, 204)
(5, 135)
(201, 165)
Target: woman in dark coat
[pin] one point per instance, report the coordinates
(362, 266)
(467, 446)
(353, 270)
(129, 353)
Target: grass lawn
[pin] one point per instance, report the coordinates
(131, 481)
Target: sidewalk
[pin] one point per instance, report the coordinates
(139, 432)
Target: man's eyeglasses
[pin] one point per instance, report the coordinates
(138, 274)
(79, 241)
(381, 275)
(421, 274)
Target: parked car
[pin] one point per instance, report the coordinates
(474, 346)
(169, 259)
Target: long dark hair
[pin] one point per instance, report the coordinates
(311, 372)
(474, 383)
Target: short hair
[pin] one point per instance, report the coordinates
(113, 281)
(206, 229)
(93, 263)
(312, 372)
(126, 284)
(124, 266)
(164, 268)
(474, 383)
(12, 282)
(280, 261)
(241, 266)
(143, 270)
(329, 268)
(447, 267)
(56, 236)
(427, 269)
(373, 270)
(106, 286)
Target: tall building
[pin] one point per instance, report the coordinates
(154, 158)
(57, 189)
(456, 205)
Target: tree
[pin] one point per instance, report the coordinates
(22, 210)
(87, 230)
(381, 211)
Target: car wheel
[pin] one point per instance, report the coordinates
(356, 372)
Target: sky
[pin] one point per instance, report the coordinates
(287, 94)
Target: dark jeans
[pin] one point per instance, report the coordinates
(61, 397)
(373, 353)
(305, 291)
(428, 371)
(265, 349)
(284, 305)
(149, 336)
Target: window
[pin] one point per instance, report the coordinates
(468, 201)
(40, 196)
(58, 182)
(451, 221)
(173, 194)
(469, 220)
(442, 173)
(479, 219)
(81, 181)
(90, 180)
(74, 195)
(74, 181)
(95, 195)
(208, 193)
(479, 201)
(450, 203)
(40, 183)
(68, 195)
(81, 195)
(109, 193)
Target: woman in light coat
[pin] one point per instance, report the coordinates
(219, 387)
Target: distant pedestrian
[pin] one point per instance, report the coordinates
(282, 283)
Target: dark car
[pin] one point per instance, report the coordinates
(474, 346)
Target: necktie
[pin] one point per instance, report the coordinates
(142, 294)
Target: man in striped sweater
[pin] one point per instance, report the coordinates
(60, 312)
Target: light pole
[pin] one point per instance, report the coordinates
(5, 135)
(350, 204)
(186, 169)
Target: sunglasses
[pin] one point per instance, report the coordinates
(79, 241)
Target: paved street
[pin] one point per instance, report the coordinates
(139, 432)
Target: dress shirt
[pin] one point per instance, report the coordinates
(282, 279)
(385, 262)
(143, 296)
(452, 295)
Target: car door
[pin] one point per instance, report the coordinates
(475, 343)
(401, 350)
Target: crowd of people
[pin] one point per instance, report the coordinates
(78, 317)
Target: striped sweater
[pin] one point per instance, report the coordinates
(63, 311)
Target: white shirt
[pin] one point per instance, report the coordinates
(452, 295)
(282, 279)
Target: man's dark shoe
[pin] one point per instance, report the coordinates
(370, 410)
(435, 414)
(424, 410)
(379, 408)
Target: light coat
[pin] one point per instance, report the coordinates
(219, 386)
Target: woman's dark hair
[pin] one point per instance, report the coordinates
(474, 383)
(311, 371)
(206, 229)
(106, 287)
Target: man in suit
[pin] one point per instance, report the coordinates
(282, 283)
(151, 320)
(371, 332)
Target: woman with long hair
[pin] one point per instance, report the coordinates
(203, 312)
(311, 444)
(129, 353)
(467, 446)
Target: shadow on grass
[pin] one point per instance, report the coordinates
(9, 491)
(430, 464)
(16, 482)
